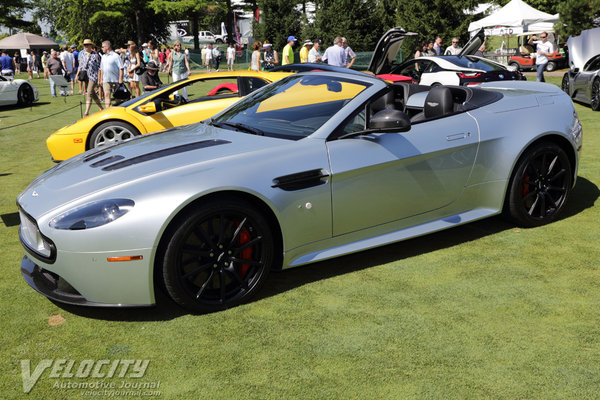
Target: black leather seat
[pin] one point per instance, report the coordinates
(439, 102)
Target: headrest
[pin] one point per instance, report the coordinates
(438, 102)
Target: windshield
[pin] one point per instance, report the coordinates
(474, 62)
(292, 108)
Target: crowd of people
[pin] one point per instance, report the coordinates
(265, 57)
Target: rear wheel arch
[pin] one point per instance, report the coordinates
(556, 139)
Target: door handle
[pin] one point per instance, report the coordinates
(456, 136)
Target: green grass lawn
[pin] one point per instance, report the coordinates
(486, 310)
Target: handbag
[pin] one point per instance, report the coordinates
(82, 75)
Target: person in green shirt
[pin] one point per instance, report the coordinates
(288, 51)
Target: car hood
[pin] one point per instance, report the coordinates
(387, 49)
(583, 47)
(193, 146)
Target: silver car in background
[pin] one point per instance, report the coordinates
(582, 82)
(311, 167)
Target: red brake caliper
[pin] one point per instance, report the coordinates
(246, 254)
(525, 189)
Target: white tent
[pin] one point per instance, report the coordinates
(517, 15)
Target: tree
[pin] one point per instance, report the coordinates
(576, 16)
(126, 20)
(12, 12)
(280, 19)
(359, 21)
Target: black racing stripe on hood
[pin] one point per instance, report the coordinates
(164, 153)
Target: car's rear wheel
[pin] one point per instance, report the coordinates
(112, 132)
(566, 84)
(551, 66)
(540, 185)
(595, 95)
(218, 256)
(25, 95)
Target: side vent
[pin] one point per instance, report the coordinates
(301, 180)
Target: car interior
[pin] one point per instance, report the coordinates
(418, 103)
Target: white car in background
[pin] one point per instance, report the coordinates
(203, 37)
(17, 91)
(463, 69)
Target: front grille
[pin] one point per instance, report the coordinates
(34, 241)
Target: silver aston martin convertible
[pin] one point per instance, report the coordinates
(313, 166)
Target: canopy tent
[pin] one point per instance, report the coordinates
(517, 15)
(26, 41)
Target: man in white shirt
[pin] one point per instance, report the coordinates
(453, 50)
(230, 57)
(110, 75)
(335, 55)
(68, 62)
(544, 49)
(314, 55)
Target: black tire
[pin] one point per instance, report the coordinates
(595, 95)
(111, 132)
(434, 84)
(203, 268)
(551, 66)
(565, 86)
(25, 95)
(219, 41)
(540, 185)
(516, 65)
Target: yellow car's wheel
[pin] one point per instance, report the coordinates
(112, 132)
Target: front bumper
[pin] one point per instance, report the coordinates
(54, 287)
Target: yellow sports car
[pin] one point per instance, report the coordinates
(187, 101)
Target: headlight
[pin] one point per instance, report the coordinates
(93, 214)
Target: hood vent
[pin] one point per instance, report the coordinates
(164, 153)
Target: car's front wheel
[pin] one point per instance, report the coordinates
(218, 255)
(515, 65)
(112, 132)
(25, 95)
(540, 185)
(595, 95)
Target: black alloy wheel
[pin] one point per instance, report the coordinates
(25, 95)
(218, 256)
(595, 95)
(540, 185)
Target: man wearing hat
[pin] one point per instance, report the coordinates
(90, 63)
(288, 51)
(304, 51)
(150, 79)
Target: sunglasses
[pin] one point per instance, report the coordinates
(544, 37)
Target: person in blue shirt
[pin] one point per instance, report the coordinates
(6, 65)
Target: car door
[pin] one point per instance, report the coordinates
(385, 177)
(8, 91)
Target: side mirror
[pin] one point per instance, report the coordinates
(149, 108)
(390, 119)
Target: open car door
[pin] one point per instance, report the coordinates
(387, 49)
(473, 44)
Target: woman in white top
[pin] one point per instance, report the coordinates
(255, 64)
(133, 62)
